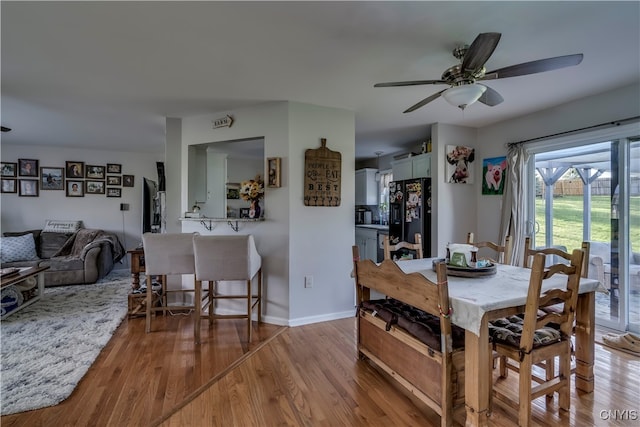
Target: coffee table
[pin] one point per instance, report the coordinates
(24, 274)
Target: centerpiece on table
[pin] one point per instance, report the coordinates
(252, 191)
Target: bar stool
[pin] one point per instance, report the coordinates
(169, 254)
(229, 258)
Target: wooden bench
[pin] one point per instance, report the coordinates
(433, 375)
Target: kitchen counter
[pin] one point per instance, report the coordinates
(373, 226)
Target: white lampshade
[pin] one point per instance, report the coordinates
(464, 95)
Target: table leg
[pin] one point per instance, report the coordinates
(585, 341)
(135, 281)
(478, 381)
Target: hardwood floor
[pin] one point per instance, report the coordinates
(302, 376)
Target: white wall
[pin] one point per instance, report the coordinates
(96, 211)
(294, 240)
(321, 237)
(454, 204)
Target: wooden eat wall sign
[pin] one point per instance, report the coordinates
(322, 176)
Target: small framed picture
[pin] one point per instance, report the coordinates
(51, 178)
(273, 170)
(94, 187)
(114, 180)
(28, 167)
(95, 172)
(74, 170)
(114, 168)
(127, 180)
(9, 169)
(233, 193)
(114, 192)
(75, 188)
(9, 185)
(28, 187)
(244, 212)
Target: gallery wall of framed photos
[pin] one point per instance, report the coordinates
(27, 178)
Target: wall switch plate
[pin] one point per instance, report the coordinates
(308, 281)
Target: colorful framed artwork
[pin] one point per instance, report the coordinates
(51, 178)
(127, 180)
(494, 175)
(114, 180)
(28, 167)
(74, 170)
(273, 172)
(114, 192)
(114, 168)
(459, 164)
(95, 172)
(28, 188)
(9, 169)
(9, 185)
(75, 188)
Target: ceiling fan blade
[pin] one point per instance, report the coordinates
(490, 97)
(424, 102)
(480, 51)
(533, 67)
(411, 83)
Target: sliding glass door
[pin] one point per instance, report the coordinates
(590, 191)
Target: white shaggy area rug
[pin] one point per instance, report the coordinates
(48, 347)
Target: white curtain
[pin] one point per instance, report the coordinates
(513, 219)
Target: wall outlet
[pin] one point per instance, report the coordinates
(308, 281)
(124, 206)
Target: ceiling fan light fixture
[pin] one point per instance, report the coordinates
(464, 95)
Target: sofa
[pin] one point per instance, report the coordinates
(600, 265)
(78, 257)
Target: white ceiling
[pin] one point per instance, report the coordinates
(106, 74)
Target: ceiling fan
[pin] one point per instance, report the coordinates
(462, 78)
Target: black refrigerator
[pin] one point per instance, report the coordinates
(410, 212)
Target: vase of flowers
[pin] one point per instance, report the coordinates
(252, 191)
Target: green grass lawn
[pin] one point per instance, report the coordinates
(567, 220)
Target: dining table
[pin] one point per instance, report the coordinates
(475, 301)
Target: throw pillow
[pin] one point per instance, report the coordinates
(20, 248)
(36, 236)
(60, 226)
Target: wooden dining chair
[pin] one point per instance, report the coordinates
(558, 255)
(168, 255)
(503, 251)
(531, 338)
(229, 259)
(414, 247)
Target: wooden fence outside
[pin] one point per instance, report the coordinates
(575, 187)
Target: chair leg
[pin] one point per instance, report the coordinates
(249, 310)
(550, 373)
(212, 285)
(197, 310)
(565, 375)
(260, 295)
(149, 305)
(504, 369)
(524, 394)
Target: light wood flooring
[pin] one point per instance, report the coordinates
(302, 376)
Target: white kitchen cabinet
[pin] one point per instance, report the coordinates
(367, 242)
(366, 187)
(412, 167)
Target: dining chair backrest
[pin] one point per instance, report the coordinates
(226, 257)
(168, 253)
(414, 247)
(553, 253)
(504, 251)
